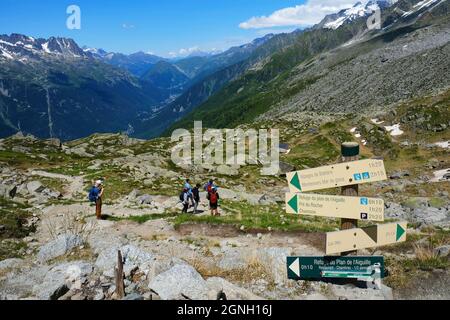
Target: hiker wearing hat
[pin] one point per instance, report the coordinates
(213, 198)
(95, 195)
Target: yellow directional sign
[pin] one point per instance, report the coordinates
(338, 175)
(358, 208)
(362, 238)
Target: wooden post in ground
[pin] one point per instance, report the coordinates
(120, 286)
(350, 152)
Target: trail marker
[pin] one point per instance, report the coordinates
(362, 238)
(355, 267)
(358, 208)
(338, 175)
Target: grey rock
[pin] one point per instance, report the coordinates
(442, 251)
(60, 246)
(134, 257)
(178, 282)
(429, 215)
(274, 259)
(232, 259)
(35, 187)
(232, 291)
(227, 170)
(133, 296)
(350, 292)
(11, 264)
(57, 280)
(144, 199)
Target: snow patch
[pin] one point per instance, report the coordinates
(440, 175)
(443, 144)
(419, 6)
(7, 55)
(394, 130)
(45, 47)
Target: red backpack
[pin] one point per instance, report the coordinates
(213, 197)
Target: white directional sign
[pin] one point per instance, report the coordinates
(338, 175)
(362, 238)
(358, 208)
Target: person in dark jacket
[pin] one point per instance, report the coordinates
(196, 196)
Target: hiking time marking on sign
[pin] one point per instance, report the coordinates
(308, 268)
(358, 208)
(362, 238)
(338, 175)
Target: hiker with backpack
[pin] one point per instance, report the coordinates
(95, 196)
(196, 195)
(213, 198)
(188, 186)
(208, 187)
(184, 198)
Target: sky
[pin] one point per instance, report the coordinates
(169, 28)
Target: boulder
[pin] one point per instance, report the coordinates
(35, 187)
(144, 199)
(274, 259)
(429, 215)
(227, 170)
(60, 246)
(181, 281)
(133, 257)
(232, 292)
(442, 251)
(57, 280)
(232, 259)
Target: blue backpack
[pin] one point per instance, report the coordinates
(93, 194)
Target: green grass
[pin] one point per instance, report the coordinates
(13, 218)
(259, 217)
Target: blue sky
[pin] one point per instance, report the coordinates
(163, 27)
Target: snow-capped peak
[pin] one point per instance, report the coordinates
(359, 10)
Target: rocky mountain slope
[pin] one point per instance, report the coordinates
(344, 70)
(52, 248)
(52, 88)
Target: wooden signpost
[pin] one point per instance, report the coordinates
(358, 208)
(338, 175)
(362, 238)
(351, 208)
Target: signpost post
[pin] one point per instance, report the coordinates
(350, 152)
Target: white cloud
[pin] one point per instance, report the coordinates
(310, 13)
(128, 26)
(184, 52)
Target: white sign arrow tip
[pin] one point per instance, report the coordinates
(295, 267)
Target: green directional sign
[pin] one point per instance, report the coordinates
(358, 267)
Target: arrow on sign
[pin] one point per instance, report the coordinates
(295, 267)
(293, 203)
(295, 181)
(400, 232)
